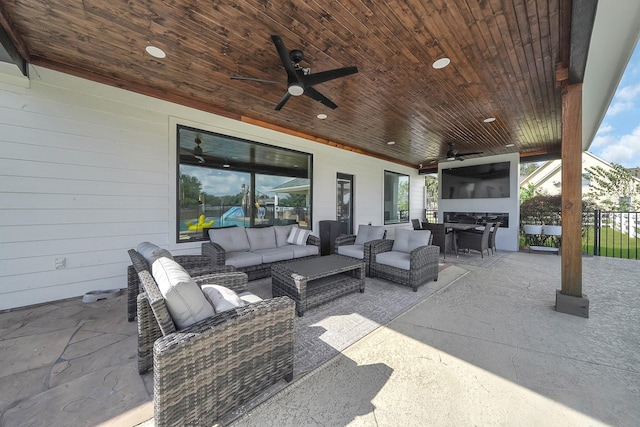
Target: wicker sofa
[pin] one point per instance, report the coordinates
(196, 265)
(216, 364)
(254, 250)
(409, 259)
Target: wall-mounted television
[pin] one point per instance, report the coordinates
(477, 182)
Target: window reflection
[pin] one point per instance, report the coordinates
(225, 182)
(396, 198)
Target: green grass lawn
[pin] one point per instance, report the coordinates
(613, 243)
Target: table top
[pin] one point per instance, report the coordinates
(461, 226)
(321, 266)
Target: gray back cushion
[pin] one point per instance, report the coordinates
(233, 239)
(367, 233)
(282, 233)
(151, 252)
(408, 240)
(261, 238)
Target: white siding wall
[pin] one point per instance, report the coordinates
(87, 171)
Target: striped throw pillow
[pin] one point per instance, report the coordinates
(298, 236)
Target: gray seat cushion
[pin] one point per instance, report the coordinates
(396, 259)
(354, 251)
(242, 259)
(274, 254)
(306, 250)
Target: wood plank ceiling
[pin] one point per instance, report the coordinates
(504, 56)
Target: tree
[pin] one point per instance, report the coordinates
(527, 193)
(431, 184)
(546, 209)
(190, 189)
(614, 188)
(527, 169)
(294, 200)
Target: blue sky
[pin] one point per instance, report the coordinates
(618, 138)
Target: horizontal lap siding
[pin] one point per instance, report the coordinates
(87, 172)
(82, 177)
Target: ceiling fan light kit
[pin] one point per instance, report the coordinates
(300, 80)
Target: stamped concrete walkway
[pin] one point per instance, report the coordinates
(487, 350)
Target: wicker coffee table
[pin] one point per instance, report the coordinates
(314, 281)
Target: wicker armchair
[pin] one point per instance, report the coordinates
(476, 241)
(412, 269)
(352, 246)
(492, 237)
(196, 265)
(215, 365)
(442, 238)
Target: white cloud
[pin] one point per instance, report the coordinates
(629, 93)
(624, 149)
(624, 99)
(618, 107)
(605, 128)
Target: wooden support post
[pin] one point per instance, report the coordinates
(570, 299)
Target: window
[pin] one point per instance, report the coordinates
(396, 198)
(225, 181)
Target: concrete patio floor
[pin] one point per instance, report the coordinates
(487, 350)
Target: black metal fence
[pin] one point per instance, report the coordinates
(604, 233)
(611, 234)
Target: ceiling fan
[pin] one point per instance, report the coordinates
(197, 150)
(300, 80)
(453, 154)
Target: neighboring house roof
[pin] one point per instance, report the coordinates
(296, 185)
(548, 177)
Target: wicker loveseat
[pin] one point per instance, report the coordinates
(207, 369)
(254, 250)
(196, 265)
(409, 260)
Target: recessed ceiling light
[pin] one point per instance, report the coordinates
(510, 145)
(321, 116)
(391, 143)
(226, 165)
(441, 63)
(156, 52)
(489, 119)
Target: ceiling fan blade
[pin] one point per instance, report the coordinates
(469, 154)
(314, 94)
(251, 79)
(325, 76)
(284, 57)
(283, 100)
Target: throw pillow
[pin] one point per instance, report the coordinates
(222, 299)
(185, 301)
(152, 252)
(298, 236)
